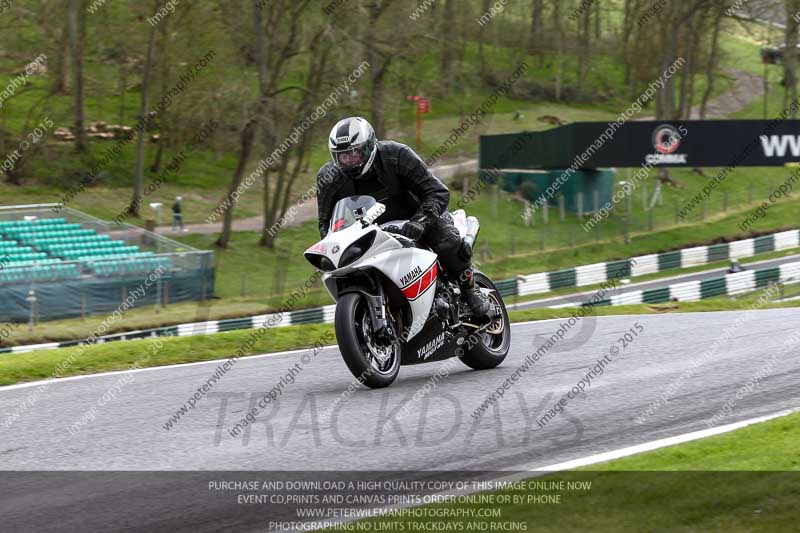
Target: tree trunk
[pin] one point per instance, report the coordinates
(597, 20)
(123, 87)
(790, 56)
(76, 21)
(535, 29)
(560, 48)
(379, 63)
(61, 58)
(665, 97)
(144, 119)
(446, 34)
(712, 64)
(248, 136)
(481, 39)
(584, 53)
(627, 25)
(163, 120)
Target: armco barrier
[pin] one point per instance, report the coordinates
(728, 285)
(654, 263)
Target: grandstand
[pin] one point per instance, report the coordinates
(58, 262)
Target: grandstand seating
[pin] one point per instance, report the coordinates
(52, 248)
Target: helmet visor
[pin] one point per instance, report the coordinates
(351, 158)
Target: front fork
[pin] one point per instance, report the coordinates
(376, 304)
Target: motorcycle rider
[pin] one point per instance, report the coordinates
(395, 175)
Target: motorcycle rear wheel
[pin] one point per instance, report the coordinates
(371, 364)
(491, 346)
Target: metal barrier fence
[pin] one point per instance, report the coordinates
(52, 289)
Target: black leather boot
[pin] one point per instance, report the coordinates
(472, 294)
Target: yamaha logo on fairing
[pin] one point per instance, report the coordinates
(431, 346)
(405, 280)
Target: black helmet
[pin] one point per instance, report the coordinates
(352, 145)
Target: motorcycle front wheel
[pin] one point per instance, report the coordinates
(372, 364)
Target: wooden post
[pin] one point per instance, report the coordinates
(561, 207)
(644, 195)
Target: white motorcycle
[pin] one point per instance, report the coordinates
(394, 304)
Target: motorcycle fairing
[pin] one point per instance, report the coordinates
(412, 270)
(433, 343)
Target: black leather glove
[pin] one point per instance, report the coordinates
(413, 230)
(393, 229)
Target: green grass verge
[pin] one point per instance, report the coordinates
(740, 481)
(40, 364)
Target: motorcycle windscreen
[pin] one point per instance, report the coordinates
(348, 211)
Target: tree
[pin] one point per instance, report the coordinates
(144, 120)
(713, 60)
(246, 147)
(379, 56)
(584, 52)
(790, 57)
(76, 22)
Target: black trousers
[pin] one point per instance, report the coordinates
(443, 238)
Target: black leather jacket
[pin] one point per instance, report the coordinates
(397, 178)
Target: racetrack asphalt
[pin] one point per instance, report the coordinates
(366, 430)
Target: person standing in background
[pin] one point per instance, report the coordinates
(177, 215)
